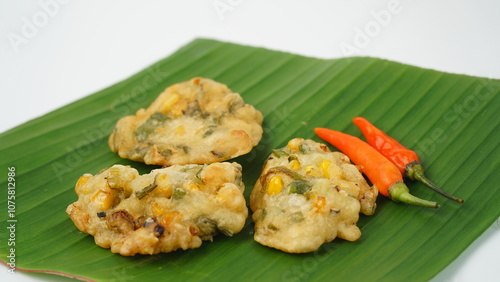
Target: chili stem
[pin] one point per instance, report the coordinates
(415, 171)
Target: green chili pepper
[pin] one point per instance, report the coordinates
(179, 193)
(141, 194)
(299, 187)
(279, 153)
(149, 126)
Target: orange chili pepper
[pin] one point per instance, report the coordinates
(379, 170)
(405, 159)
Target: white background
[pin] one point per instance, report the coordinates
(53, 52)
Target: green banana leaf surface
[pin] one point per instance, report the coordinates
(450, 120)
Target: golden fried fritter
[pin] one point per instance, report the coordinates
(199, 121)
(307, 196)
(170, 208)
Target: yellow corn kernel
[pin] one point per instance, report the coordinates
(161, 177)
(164, 190)
(157, 210)
(295, 164)
(169, 102)
(325, 165)
(311, 170)
(79, 187)
(107, 203)
(103, 198)
(319, 204)
(180, 130)
(168, 217)
(82, 180)
(293, 145)
(176, 112)
(275, 185)
(193, 186)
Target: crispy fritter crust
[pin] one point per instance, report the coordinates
(321, 197)
(199, 121)
(168, 209)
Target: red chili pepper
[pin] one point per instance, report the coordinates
(405, 159)
(379, 170)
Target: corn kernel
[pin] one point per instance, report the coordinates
(180, 130)
(193, 186)
(161, 177)
(103, 198)
(164, 190)
(169, 217)
(325, 165)
(319, 204)
(293, 145)
(157, 210)
(176, 112)
(295, 164)
(311, 170)
(82, 180)
(169, 102)
(79, 187)
(275, 185)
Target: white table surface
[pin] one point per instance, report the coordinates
(53, 52)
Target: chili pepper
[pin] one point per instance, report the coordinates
(379, 170)
(405, 159)
(141, 194)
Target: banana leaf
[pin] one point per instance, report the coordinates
(451, 120)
